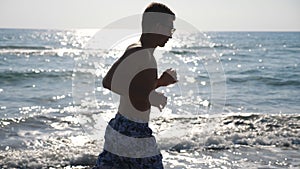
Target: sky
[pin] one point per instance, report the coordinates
(209, 15)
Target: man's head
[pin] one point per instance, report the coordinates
(158, 23)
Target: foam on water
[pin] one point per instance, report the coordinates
(236, 141)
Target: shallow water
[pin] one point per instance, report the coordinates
(235, 141)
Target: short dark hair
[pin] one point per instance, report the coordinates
(158, 7)
(156, 13)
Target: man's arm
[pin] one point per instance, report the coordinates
(106, 82)
(168, 77)
(116, 76)
(140, 87)
(121, 74)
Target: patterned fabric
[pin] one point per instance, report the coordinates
(108, 160)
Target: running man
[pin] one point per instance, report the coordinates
(129, 143)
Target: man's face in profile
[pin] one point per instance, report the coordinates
(165, 31)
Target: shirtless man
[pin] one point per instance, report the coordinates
(129, 142)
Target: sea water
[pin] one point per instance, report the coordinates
(53, 109)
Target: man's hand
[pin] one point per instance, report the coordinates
(157, 99)
(168, 77)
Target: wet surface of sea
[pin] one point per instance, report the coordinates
(259, 128)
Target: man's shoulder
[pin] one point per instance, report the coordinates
(134, 47)
(136, 50)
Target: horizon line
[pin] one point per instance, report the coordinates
(207, 30)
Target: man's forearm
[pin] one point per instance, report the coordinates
(158, 83)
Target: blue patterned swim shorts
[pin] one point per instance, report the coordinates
(131, 129)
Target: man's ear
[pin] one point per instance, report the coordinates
(156, 28)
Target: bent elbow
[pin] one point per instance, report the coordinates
(105, 84)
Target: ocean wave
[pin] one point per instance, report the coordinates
(209, 46)
(38, 136)
(280, 130)
(15, 76)
(26, 47)
(271, 81)
(250, 71)
(233, 131)
(45, 51)
(182, 52)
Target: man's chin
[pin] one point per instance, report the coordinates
(162, 45)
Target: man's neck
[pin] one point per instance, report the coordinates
(147, 43)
